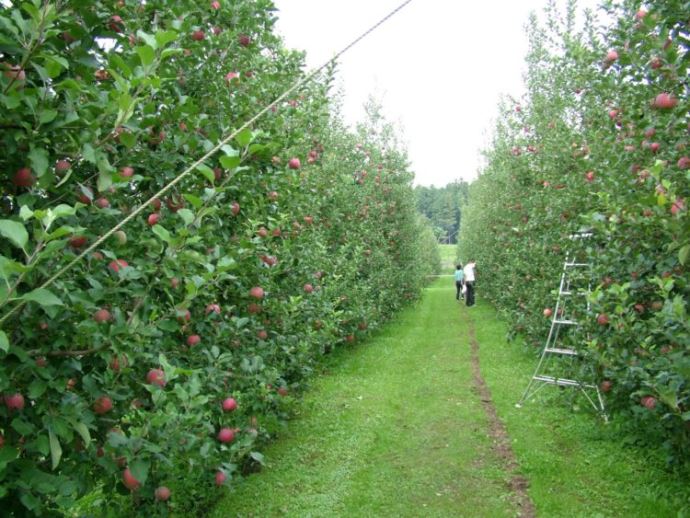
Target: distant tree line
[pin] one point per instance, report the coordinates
(443, 207)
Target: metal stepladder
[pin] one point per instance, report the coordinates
(569, 287)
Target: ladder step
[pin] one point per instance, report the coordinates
(565, 292)
(563, 382)
(575, 265)
(558, 350)
(565, 322)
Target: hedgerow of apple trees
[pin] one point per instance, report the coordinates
(158, 364)
(599, 142)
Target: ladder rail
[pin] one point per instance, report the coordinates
(539, 381)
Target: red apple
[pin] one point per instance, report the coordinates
(162, 494)
(665, 101)
(254, 308)
(294, 163)
(308, 220)
(229, 404)
(213, 308)
(215, 5)
(156, 377)
(115, 23)
(244, 40)
(308, 288)
(193, 340)
(548, 312)
(648, 402)
(220, 478)
(23, 178)
(155, 204)
(183, 315)
(257, 292)
(117, 264)
(127, 171)
(14, 401)
(262, 232)
(153, 219)
(102, 203)
(103, 405)
(282, 391)
(118, 362)
(605, 386)
(683, 162)
(77, 241)
(276, 232)
(611, 56)
(14, 73)
(602, 319)
(102, 315)
(129, 481)
(273, 195)
(235, 208)
(226, 435)
(589, 176)
(62, 166)
(198, 35)
(174, 283)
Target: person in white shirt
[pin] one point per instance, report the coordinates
(469, 282)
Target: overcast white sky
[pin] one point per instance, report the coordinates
(438, 66)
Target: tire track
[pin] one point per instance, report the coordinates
(501, 440)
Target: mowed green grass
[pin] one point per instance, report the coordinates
(578, 465)
(393, 427)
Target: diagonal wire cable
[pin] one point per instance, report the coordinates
(208, 155)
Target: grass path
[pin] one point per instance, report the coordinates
(398, 426)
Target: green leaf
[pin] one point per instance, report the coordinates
(36, 388)
(15, 232)
(150, 40)
(128, 139)
(43, 297)
(683, 254)
(105, 180)
(229, 162)
(194, 200)
(25, 213)
(22, 427)
(244, 137)
(186, 215)
(162, 233)
(55, 449)
(4, 342)
(89, 153)
(229, 150)
(147, 54)
(47, 116)
(165, 37)
(39, 161)
(82, 430)
(258, 457)
(140, 470)
(207, 172)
